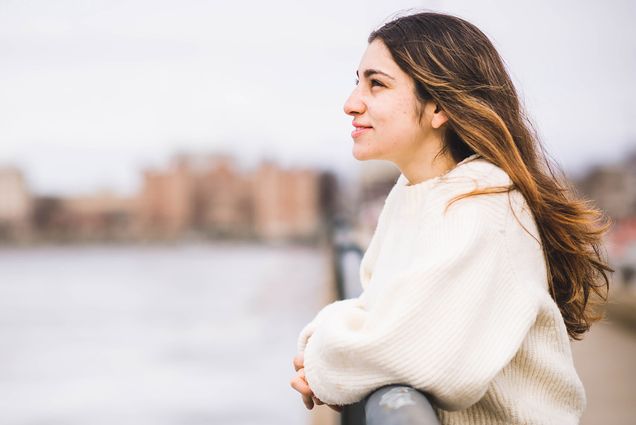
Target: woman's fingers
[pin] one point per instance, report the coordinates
(299, 362)
(299, 384)
(309, 402)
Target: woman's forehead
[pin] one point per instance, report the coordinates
(378, 57)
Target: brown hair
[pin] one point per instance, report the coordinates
(455, 65)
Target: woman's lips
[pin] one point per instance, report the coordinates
(359, 131)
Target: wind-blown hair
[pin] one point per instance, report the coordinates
(454, 64)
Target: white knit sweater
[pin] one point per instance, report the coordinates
(456, 305)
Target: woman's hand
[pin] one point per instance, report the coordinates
(299, 383)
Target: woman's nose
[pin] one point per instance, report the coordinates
(354, 104)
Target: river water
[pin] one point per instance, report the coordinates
(184, 334)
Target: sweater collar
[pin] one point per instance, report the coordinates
(403, 181)
(412, 196)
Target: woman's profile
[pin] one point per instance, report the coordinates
(483, 265)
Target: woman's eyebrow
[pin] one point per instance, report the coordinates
(369, 72)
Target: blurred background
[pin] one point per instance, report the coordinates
(171, 174)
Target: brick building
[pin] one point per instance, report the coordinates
(286, 203)
(210, 195)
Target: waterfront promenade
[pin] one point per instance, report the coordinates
(606, 362)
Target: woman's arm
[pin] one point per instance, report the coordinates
(446, 326)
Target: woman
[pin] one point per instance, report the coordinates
(482, 265)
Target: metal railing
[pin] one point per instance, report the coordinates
(399, 405)
(390, 405)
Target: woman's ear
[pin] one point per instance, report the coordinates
(439, 117)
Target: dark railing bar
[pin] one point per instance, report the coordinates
(399, 405)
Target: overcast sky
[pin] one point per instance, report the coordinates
(91, 91)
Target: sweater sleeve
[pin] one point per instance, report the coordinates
(445, 325)
(329, 309)
(365, 272)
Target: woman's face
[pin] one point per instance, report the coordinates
(383, 107)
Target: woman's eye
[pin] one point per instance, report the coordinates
(376, 83)
(373, 83)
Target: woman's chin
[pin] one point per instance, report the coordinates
(362, 154)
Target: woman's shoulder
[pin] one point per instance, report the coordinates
(473, 176)
(501, 206)
(508, 208)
